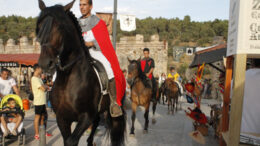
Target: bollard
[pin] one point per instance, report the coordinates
(42, 136)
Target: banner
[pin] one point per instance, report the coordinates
(200, 72)
(127, 22)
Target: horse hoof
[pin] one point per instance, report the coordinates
(153, 121)
(132, 135)
(94, 144)
(145, 131)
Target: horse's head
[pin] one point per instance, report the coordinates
(134, 69)
(51, 28)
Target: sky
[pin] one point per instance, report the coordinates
(198, 10)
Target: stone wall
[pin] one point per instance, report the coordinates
(133, 46)
(23, 47)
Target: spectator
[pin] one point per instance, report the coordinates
(7, 83)
(39, 93)
(11, 117)
(162, 79)
(250, 115)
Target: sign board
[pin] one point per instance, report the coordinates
(9, 64)
(189, 51)
(107, 17)
(244, 28)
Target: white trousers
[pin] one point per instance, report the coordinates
(100, 57)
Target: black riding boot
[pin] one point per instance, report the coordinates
(154, 90)
(115, 109)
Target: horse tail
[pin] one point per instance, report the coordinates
(117, 129)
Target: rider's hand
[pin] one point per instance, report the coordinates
(89, 44)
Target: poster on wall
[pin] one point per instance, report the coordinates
(244, 28)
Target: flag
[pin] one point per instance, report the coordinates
(189, 87)
(127, 22)
(200, 72)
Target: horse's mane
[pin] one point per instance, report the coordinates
(141, 75)
(58, 13)
(79, 31)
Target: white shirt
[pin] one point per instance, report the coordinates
(6, 85)
(251, 105)
(88, 36)
(39, 95)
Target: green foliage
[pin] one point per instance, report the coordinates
(16, 26)
(173, 30)
(182, 69)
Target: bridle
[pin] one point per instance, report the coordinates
(43, 40)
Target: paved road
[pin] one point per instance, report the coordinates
(170, 130)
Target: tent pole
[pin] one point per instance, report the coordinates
(226, 101)
(237, 99)
(114, 24)
(20, 68)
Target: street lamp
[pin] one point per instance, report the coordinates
(114, 24)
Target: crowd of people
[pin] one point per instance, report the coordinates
(39, 90)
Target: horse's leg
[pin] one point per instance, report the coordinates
(173, 104)
(83, 123)
(64, 127)
(169, 105)
(134, 106)
(163, 98)
(146, 116)
(176, 102)
(154, 108)
(93, 130)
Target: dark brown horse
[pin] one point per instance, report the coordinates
(141, 92)
(172, 93)
(76, 91)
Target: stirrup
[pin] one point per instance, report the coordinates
(115, 110)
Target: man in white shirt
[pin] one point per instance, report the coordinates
(7, 83)
(251, 105)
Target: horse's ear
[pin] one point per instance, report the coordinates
(68, 6)
(41, 5)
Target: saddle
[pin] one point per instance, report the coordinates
(102, 76)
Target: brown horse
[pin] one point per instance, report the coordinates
(172, 93)
(141, 92)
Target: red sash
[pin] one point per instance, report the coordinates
(143, 63)
(101, 35)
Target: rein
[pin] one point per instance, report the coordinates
(63, 68)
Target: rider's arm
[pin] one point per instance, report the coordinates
(151, 71)
(152, 68)
(89, 38)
